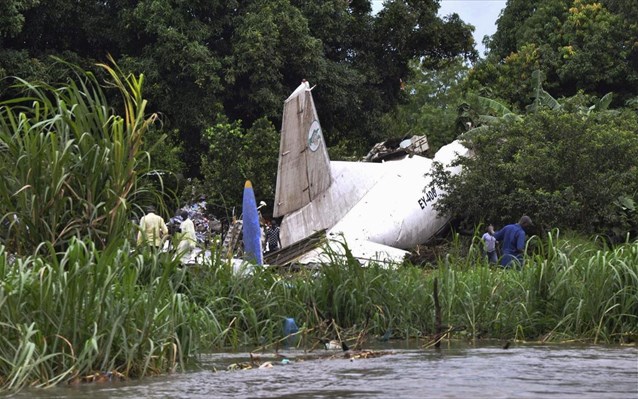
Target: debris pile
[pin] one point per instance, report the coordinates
(393, 149)
(206, 224)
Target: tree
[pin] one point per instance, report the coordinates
(432, 105)
(271, 46)
(579, 44)
(235, 155)
(566, 169)
(506, 39)
(204, 58)
(12, 17)
(180, 48)
(411, 30)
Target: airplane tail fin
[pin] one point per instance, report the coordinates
(304, 166)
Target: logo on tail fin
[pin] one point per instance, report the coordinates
(314, 136)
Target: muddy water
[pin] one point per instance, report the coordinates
(555, 371)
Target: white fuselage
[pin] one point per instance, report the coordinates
(387, 203)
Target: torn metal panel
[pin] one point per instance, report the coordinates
(394, 149)
(290, 254)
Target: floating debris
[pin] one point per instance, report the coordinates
(360, 354)
(239, 366)
(333, 345)
(99, 377)
(368, 354)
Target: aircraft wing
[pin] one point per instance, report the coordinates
(366, 252)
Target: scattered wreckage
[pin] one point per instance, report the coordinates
(375, 210)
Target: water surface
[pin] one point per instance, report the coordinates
(547, 371)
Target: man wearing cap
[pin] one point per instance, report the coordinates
(512, 238)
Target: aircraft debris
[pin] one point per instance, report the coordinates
(378, 210)
(394, 149)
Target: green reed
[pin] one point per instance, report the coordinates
(71, 165)
(139, 312)
(85, 311)
(565, 291)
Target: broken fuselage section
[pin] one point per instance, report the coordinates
(379, 209)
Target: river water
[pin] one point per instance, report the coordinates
(522, 371)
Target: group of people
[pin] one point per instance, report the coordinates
(153, 231)
(512, 239)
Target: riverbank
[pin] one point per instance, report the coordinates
(118, 310)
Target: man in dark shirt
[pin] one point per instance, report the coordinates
(272, 237)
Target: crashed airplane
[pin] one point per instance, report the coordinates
(379, 209)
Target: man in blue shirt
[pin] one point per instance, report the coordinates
(512, 238)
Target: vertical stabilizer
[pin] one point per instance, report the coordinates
(304, 166)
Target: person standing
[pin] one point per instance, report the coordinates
(272, 236)
(187, 238)
(512, 237)
(490, 245)
(152, 229)
(263, 226)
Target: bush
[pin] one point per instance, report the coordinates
(566, 170)
(235, 155)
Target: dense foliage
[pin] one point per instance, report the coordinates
(392, 74)
(432, 105)
(567, 169)
(249, 151)
(584, 45)
(239, 59)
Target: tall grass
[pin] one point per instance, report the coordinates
(84, 311)
(75, 297)
(138, 312)
(88, 310)
(566, 291)
(70, 164)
